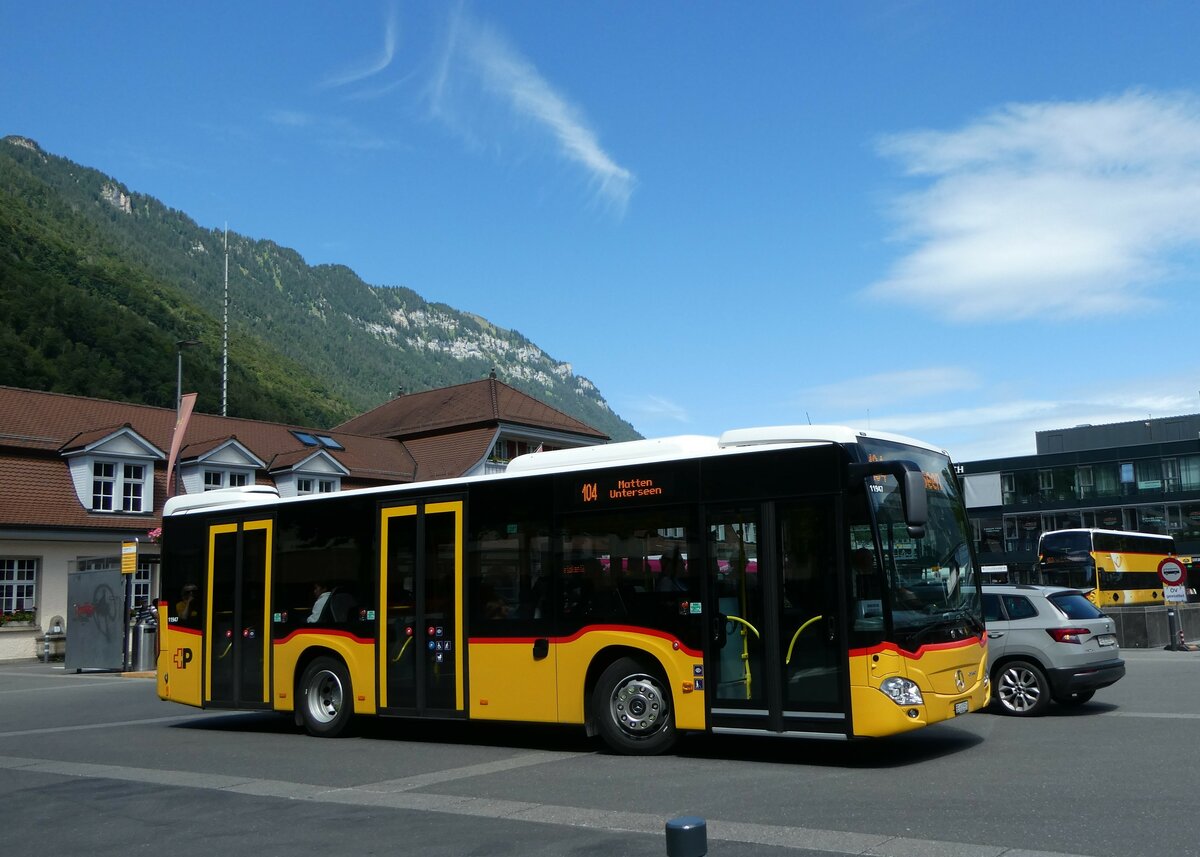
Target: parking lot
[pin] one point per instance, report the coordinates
(96, 763)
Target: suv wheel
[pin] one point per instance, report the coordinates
(1021, 689)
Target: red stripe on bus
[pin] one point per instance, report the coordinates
(588, 629)
(932, 647)
(199, 632)
(324, 632)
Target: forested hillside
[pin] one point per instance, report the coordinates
(98, 283)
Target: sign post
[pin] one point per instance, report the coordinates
(1173, 574)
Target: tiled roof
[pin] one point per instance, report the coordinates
(480, 403)
(446, 456)
(424, 436)
(36, 427)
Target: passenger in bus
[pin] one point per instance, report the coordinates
(188, 606)
(321, 594)
(669, 579)
(494, 605)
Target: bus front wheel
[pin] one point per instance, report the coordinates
(325, 697)
(632, 705)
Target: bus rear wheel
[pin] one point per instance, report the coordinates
(325, 698)
(632, 705)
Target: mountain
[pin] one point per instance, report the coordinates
(98, 284)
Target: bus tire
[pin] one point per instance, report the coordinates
(632, 707)
(1021, 689)
(326, 699)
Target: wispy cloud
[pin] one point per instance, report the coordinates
(331, 131)
(1005, 428)
(373, 65)
(480, 71)
(1071, 208)
(653, 408)
(888, 388)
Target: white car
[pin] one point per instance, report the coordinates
(1044, 643)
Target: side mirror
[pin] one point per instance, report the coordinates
(912, 489)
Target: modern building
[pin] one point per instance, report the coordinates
(80, 477)
(1141, 476)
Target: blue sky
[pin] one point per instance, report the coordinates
(959, 221)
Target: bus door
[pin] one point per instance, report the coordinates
(237, 640)
(420, 634)
(775, 660)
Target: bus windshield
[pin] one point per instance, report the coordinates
(933, 580)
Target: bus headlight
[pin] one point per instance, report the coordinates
(902, 691)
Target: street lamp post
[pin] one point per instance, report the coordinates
(179, 346)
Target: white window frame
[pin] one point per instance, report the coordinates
(214, 480)
(125, 479)
(19, 584)
(304, 485)
(327, 486)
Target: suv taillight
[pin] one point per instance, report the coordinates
(1068, 635)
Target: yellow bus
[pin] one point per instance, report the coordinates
(1112, 566)
(802, 581)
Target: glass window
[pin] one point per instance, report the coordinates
(326, 486)
(104, 477)
(304, 486)
(238, 480)
(1019, 607)
(991, 608)
(620, 568)
(1107, 481)
(18, 590)
(1148, 474)
(213, 479)
(111, 479)
(1075, 606)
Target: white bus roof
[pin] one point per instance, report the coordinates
(565, 460)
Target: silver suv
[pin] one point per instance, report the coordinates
(1047, 642)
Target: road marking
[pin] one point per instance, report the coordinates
(422, 780)
(394, 794)
(50, 730)
(1152, 715)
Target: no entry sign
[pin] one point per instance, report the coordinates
(1171, 571)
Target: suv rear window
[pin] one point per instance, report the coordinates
(1075, 606)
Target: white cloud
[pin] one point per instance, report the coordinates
(1009, 428)
(330, 131)
(373, 65)
(479, 70)
(1065, 208)
(890, 387)
(652, 408)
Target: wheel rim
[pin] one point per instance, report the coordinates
(638, 706)
(1020, 689)
(324, 696)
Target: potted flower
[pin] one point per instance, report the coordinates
(16, 617)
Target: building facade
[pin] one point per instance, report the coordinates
(80, 477)
(1140, 476)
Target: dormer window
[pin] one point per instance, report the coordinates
(113, 470)
(214, 480)
(112, 480)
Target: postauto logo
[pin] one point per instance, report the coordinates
(182, 658)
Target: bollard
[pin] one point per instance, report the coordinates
(687, 837)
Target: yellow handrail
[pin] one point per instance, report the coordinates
(792, 644)
(746, 652)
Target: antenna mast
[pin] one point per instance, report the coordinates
(225, 334)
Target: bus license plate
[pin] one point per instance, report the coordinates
(961, 707)
(1107, 639)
